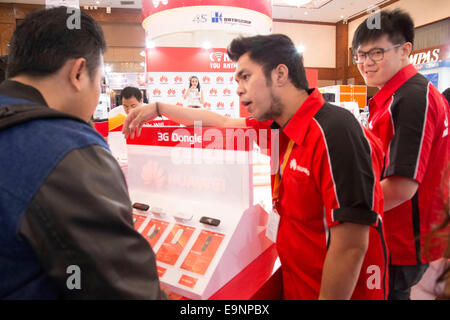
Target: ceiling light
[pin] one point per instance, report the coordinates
(206, 45)
(150, 44)
(301, 48)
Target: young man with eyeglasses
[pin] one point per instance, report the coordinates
(410, 117)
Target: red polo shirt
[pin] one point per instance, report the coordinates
(328, 179)
(411, 118)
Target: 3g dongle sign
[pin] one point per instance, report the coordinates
(175, 137)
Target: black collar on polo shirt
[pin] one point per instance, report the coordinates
(22, 91)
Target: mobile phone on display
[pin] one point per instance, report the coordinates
(141, 206)
(177, 236)
(153, 232)
(210, 221)
(206, 244)
(183, 216)
(158, 211)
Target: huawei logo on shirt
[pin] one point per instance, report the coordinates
(293, 165)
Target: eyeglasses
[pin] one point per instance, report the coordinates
(375, 54)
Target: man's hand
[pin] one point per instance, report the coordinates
(137, 117)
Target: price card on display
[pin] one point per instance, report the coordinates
(187, 281)
(138, 220)
(203, 251)
(161, 271)
(174, 244)
(153, 231)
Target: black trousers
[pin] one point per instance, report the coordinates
(402, 278)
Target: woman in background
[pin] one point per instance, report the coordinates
(194, 94)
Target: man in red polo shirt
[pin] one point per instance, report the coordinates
(327, 219)
(410, 117)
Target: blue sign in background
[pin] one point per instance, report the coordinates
(433, 78)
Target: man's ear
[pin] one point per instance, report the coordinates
(77, 72)
(407, 49)
(280, 75)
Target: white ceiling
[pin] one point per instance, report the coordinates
(316, 10)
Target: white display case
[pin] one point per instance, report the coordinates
(185, 174)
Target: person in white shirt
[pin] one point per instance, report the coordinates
(194, 94)
(131, 98)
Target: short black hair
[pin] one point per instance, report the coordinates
(271, 51)
(446, 94)
(129, 92)
(43, 42)
(396, 24)
(3, 63)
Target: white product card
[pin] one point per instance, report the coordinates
(272, 225)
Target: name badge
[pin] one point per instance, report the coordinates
(272, 225)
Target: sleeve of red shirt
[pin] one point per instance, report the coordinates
(344, 172)
(409, 149)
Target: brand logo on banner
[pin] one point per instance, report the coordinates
(219, 80)
(171, 92)
(217, 56)
(221, 60)
(156, 3)
(206, 79)
(178, 80)
(213, 92)
(156, 93)
(187, 59)
(216, 17)
(163, 80)
(237, 16)
(220, 105)
(424, 57)
(226, 92)
(207, 105)
(150, 7)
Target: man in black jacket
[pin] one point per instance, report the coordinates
(65, 212)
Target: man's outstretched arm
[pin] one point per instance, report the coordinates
(186, 116)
